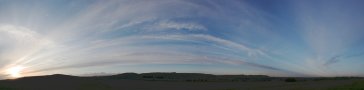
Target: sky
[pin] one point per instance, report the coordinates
(313, 38)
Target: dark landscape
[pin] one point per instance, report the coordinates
(181, 44)
(180, 81)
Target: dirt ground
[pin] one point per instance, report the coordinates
(78, 84)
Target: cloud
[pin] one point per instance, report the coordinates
(20, 42)
(163, 58)
(329, 31)
(109, 33)
(332, 60)
(219, 42)
(338, 58)
(354, 55)
(153, 24)
(82, 34)
(162, 25)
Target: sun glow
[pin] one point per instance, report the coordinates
(15, 72)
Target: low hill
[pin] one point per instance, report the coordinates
(189, 77)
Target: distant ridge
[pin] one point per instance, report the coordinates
(190, 77)
(168, 76)
(154, 76)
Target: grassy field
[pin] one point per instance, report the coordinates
(358, 85)
(121, 82)
(163, 85)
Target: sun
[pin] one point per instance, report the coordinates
(15, 72)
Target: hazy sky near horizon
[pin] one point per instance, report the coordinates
(270, 37)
